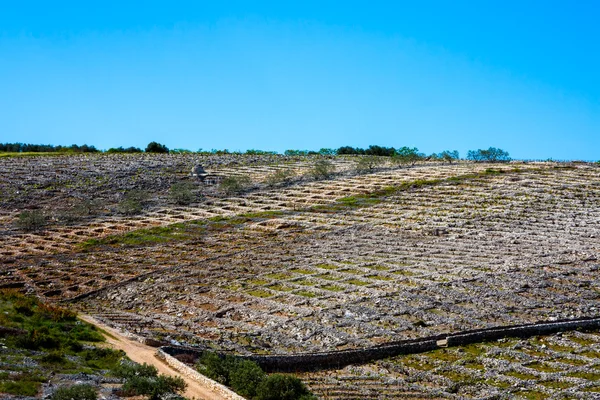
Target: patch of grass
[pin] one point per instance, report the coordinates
(590, 353)
(280, 288)
(378, 267)
(305, 293)
(533, 395)
(332, 288)
(556, 384)
(20, 387)
(258, 282)
(445, 355)
(328, 277)
(587, 375)
(260, 293)
(327, 266)
(582, 341)
(521, 375)
(357, 282)
(303, 271)
(278, 275)
(543, 367)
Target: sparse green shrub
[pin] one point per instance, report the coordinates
(133, 202)
(280, 177)
(33, 220)
(182, 193)
(154, 387)
(75, 392)
(407, 155)
(367, 164)
(283, 387)
(490, 155)
(235, 184)
(128, 369)
(448, 156)
(322, 169)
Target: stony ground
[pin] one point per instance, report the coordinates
(353, 261)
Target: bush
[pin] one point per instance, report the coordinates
(490, 155)
(182, 193)
(235, 184)
(448, 156)
(407, 155)
(128, 370)
(154, 387)
(244, 378)
(280, 177)
(75, 392)
(133, 203)
(283, 387)
(154, 147)
(367, 164)
(124, 150)
(31, 220)
(322, 169)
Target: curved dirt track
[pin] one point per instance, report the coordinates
(142, 353)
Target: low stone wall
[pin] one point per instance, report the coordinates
(342, 358)
(198, 377)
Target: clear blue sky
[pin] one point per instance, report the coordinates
(520, 75)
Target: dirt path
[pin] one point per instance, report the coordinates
(142, 353)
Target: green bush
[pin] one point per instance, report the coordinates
(182, 193)
(322, 169)
(280, 177)
(367, 164)
(154, 387)
(128, 370)
(235, 184)
(75, 392)
(33, 220)
(244, 378)
(283, 387)
(133, 202)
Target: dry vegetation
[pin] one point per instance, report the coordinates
(311, 265)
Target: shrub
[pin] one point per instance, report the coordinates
(128, 370)
(407, 155)
(31, 220)
(124, 150)
(244, 378)
(367, 164)
(448, 156)
(280, 177)
(154, 387)
(154, 147)
(182, 193)
(322, 169)
(75, 392)
(282, 387)
(133, 203)
(490, 155)
(235, 184)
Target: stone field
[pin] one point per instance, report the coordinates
(352, 261)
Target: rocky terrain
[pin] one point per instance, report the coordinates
(315, 265)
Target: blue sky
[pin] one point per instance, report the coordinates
(519, 75)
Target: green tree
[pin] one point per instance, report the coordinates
(448, 156)
(244, 378)
(154, 147)
(282, 387)
(182, 193)
(33, 220)
(492, 154)
(407, 155)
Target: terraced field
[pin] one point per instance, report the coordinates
(563, 366)
(349, 262)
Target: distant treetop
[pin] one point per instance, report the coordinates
(154, 147)
(490, 155)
